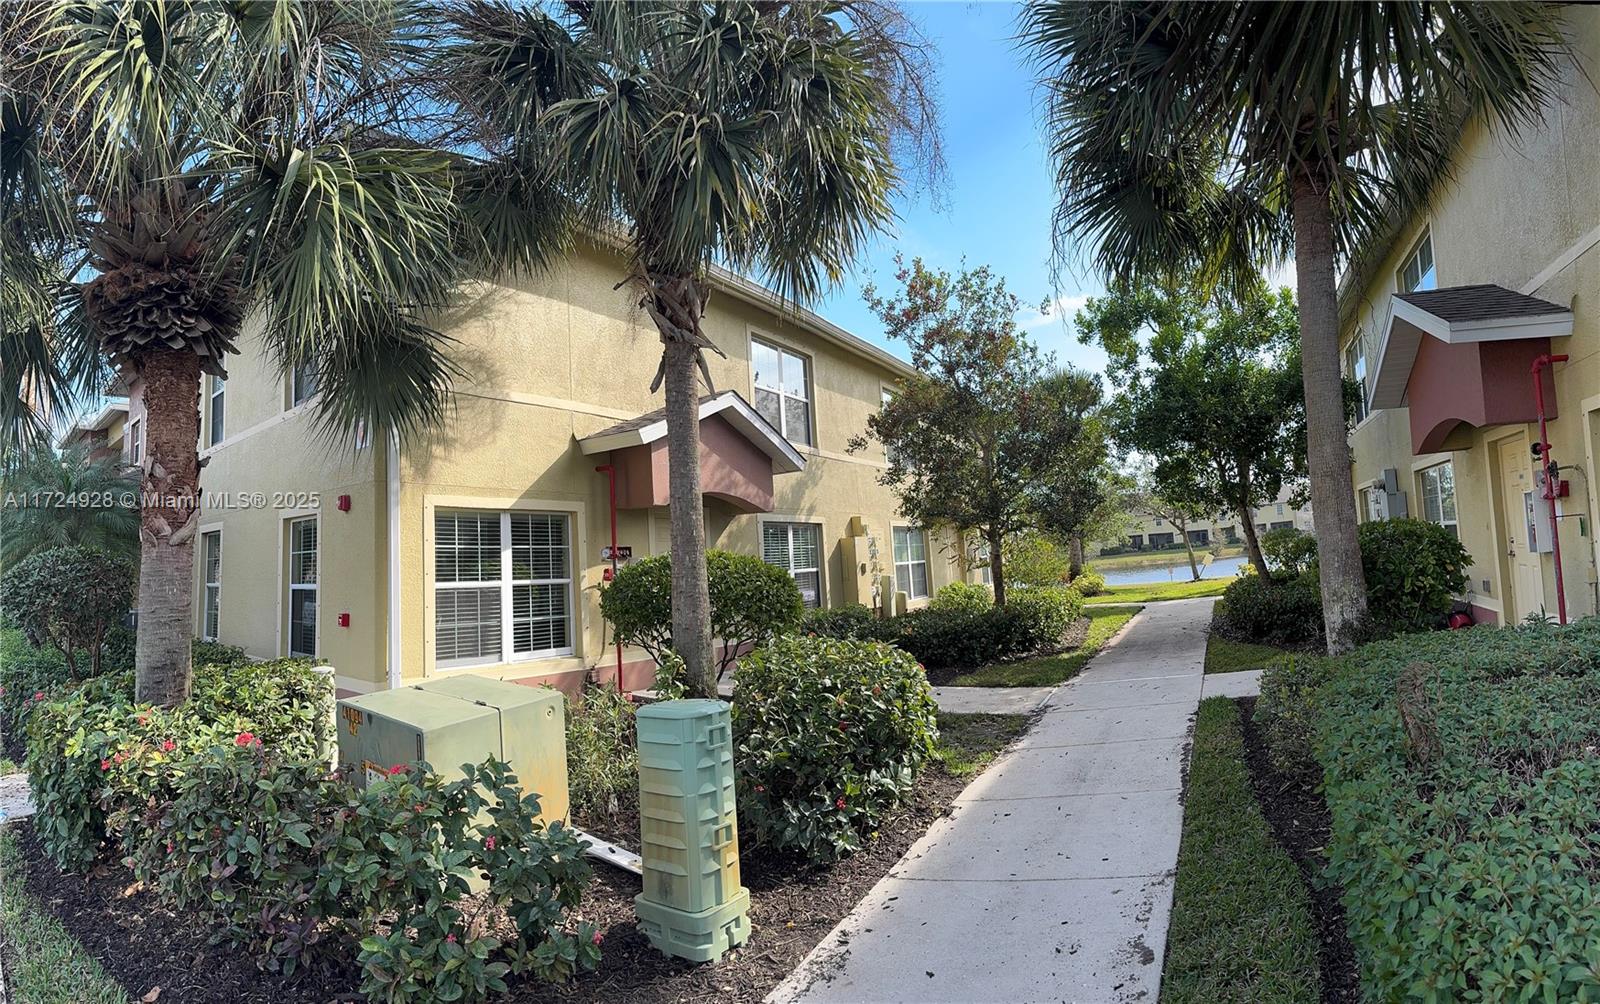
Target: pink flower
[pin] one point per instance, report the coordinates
(598, 937)
(120, 756)
(488, 843)
(105, 764)
(398, 768)
(38, 695)
(167, 746)
(838, 803)
(451, 938)
(761, 787)
(246, 739)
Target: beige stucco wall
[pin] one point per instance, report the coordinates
(1522, 212)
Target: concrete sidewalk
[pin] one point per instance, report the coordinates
(1051, 880)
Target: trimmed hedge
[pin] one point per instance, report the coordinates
(1032, 619)
(828, 738)
(1270, 611)
(1089, 582)
(968, 596)
(1464, 786)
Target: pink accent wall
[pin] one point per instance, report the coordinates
(732, 469)
(1474, 384)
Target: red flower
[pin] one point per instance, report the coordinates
(144, 719)
(246, 739)
(398, 768)
(105, 764)
(838, 803)
(844, 726)
(598, 937)
(419, 808)
(450, 938)
(488, 843)
(120, 756)
(167, 746)
(38, 695)
(761, 787)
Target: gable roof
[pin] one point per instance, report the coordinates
(734, 409)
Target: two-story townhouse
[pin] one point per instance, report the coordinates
(1150, 532)
(1443, 324)
(479, 549)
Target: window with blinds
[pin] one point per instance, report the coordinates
(502, 587)
(911, 562)
(303, 587)
(796, 548)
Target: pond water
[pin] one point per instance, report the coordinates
(1179, 572)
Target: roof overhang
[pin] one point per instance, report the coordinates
(732, 408)
(1462, 315)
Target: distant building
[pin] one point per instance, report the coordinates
(1154, 533)
(106, 432)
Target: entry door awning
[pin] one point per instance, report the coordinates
(1461, 356)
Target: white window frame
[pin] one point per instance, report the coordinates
(789, 528)
(784, 391)
(294, 587)
(507, 584)
(136, 441)
(300, 374)
(216, 417)
(1425, 278)
(210, 588)
(1355, 364)
(1435, 473)
(910, 563)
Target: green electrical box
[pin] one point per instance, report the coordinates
(692, 905)
(457, 720)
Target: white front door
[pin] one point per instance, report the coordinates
(1518, 505)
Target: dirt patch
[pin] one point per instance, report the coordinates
(1299, 818)
(1076, 634)
(143, 945)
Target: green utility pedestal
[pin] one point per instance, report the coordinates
(692, 905)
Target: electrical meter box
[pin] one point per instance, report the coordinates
(692, 905)
(458, 720)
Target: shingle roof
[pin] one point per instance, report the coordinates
(640, 421)
(1484, 302)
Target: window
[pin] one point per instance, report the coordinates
(911, 562)
(303, 587)
(302, 383)
(1439, 496)
(1355, 367)
(796, 548)
(1280, 508)
(782, 388)
(217, 429)
(211, 562)
(1417, 271)
(493, 569)
(136, 441)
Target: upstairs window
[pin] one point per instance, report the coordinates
(1355, 367)
(136, 441)
(1417, 272)
(217, 428)
(1439, 496)
(911, 562)
(782, 382)
(797, 549)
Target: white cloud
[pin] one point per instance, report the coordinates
(1062, 310)
(1283, 275)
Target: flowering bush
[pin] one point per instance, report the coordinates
(828, 736)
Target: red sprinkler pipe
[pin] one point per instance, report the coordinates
(1551, 476)
(611, 487)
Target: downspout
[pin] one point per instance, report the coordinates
(392, 498)
(1552, 474)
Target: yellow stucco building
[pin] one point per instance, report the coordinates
(1443, 326)
(480, 549)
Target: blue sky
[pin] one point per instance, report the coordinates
(997, 206)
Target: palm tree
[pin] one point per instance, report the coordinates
(90, 504)
(757, 136)
(1222, 137)
(172, 169)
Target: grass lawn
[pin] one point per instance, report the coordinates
(1241, 925)
(968, 743)
(1149, 591)
(1224, 655)
(1049, 670)
(44, 965)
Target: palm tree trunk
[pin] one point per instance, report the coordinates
(168, 517)
(1252, 543)
(1333, 497)
(997, 571)
(691, 602)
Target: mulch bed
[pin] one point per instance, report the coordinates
(1299, 818)
(1071, 641)
(792, 907)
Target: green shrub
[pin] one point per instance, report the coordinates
(1043, 615)
(1270, 611)
(97, 759)
(28, 676)
(215, 653)
(1089, 582)
(966, 596)
(1288, 551)
(1288, 707)
(751, 603)
(1032, 559)
(1468, 862)
(602, 755)
(829, 736)
(67, 598)
(852, 622)
(1414, 569)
